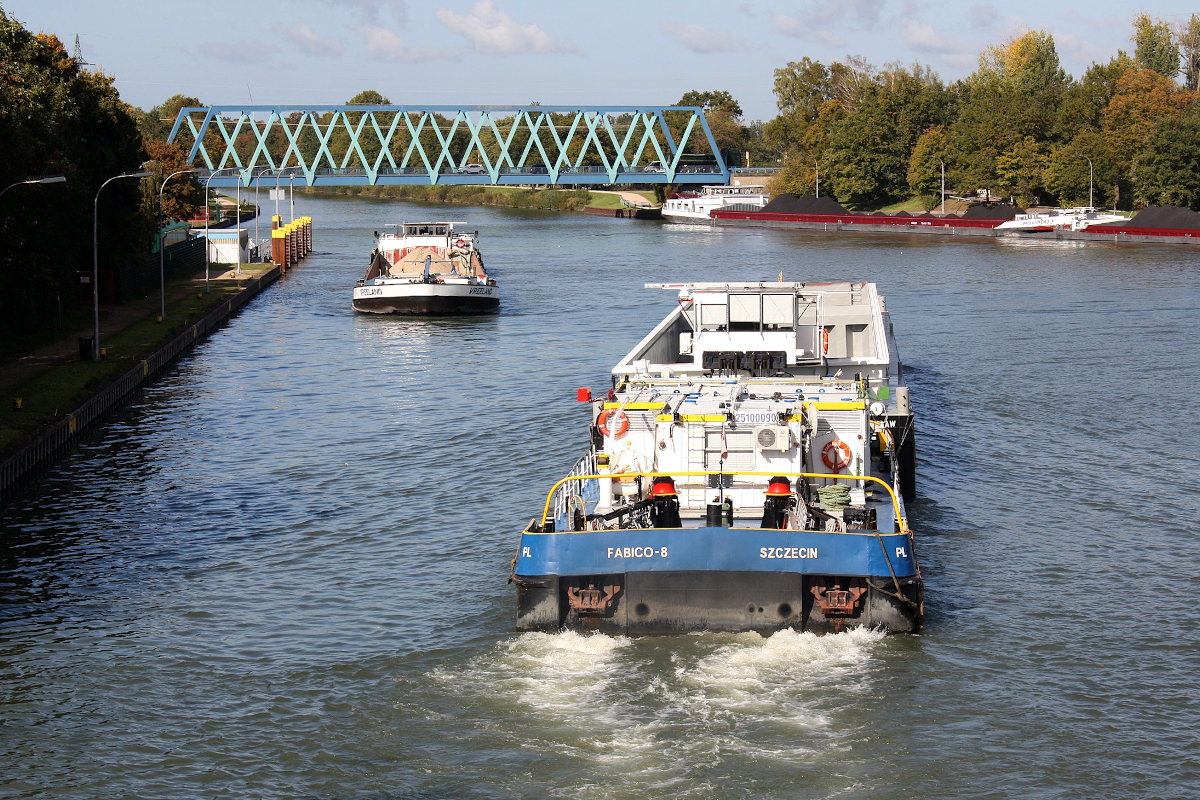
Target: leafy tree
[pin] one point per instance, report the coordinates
(1066, 173)
(1156, 48)
(797, 175)
(1167, 170)
(1084, 102)
(851, 80)
(1189, 50)
(723, 115)
(924, 170)
(721, 101)
(368, 140)
(816, 138)
(1016, 93)
(159, 120)
(1142, 99)
(867, 159)
(57, 118)
(801, 88)
(1019, 171)
(183, 194)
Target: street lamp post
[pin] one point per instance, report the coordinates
(1090, 203)
(817, 167)
(278, 177)
(96, 257)
(292, 197)
(211, 175)
(162, 283)
(47, 179)
(257, 207)
(943, 163)
(237, 228)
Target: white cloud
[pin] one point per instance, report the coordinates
(384, 45)
(307, 40)
(370, 11)
(490, 30)
(924, 38)
(239, 52)
(815, 27)
(984, 16)
(698, 39)
(868, 12)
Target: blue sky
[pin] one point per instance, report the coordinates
(617, 52)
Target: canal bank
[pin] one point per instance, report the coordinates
(29, 458)
(26, 462)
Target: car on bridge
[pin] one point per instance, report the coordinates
(539, 169)
(472, 169)
(654, 166)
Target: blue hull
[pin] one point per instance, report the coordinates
(656, 580)
(716, 549)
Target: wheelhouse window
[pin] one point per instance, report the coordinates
(745, 312)
(714, 317)
(778, 312)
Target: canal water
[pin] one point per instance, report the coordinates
(281, 573)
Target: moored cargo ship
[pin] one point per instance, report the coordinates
(747, 471)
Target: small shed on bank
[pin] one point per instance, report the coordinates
(227, 245)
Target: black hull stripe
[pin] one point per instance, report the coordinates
(427, 305)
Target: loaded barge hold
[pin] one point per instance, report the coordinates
(426, 268)
(747, 471)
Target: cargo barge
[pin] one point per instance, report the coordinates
(827, 218)
(748, 470)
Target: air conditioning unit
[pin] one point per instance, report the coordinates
(773, 437)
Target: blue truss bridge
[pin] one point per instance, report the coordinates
(341, 145)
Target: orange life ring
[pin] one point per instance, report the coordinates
(622, 423)
(825, 341)
(836, 455)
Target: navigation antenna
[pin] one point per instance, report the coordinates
(77, 54)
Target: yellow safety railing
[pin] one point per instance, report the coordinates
(705, 473)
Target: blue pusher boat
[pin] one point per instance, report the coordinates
(747, 471)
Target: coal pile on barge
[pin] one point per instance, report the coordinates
(807, 204)
(993, 211)
(1172, 217)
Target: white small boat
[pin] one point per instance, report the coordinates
(426, 268)
(697, 207)
(1071, 219)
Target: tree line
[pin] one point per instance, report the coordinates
(57, 118)
(1019, 126)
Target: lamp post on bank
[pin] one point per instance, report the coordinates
(96, 257)
(162, 283)
(278, 177)
(211, 175)
(1081, 155)
(46, 179)
(943, 163)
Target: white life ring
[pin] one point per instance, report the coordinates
(461, 243)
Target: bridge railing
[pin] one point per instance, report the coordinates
(451, 144)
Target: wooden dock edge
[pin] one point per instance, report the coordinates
(24, 463)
